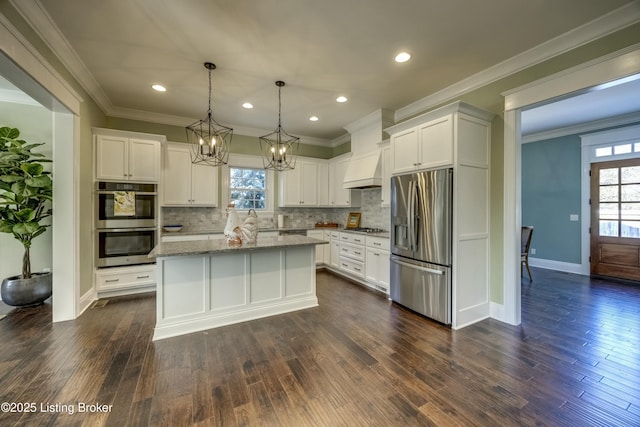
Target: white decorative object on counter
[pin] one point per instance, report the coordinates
(250, 227)
(232, 231)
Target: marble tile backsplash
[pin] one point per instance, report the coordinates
(213, 219)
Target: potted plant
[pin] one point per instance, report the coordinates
(26, 192)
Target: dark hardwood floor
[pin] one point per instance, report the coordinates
(356, 360)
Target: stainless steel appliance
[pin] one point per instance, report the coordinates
(125, 237)
(145, 207)
(421, 242)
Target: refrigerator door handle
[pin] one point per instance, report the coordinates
(412, 209)
(410, 215)
(417, 267)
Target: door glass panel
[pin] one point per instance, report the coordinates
(608, 176)
(630, 211)
(630, 192)
(630, 175)
(630, 229)
(609, 228)
(609, 211)
(609, 194)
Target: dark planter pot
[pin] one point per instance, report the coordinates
(24, 292)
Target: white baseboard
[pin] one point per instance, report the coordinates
(567, 267)
(126, 291)
(86, 300)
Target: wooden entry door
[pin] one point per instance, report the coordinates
(615, 219)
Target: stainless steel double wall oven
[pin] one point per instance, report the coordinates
(126, 220)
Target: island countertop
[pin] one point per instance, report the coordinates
(198, 247)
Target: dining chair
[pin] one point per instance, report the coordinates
(525, 245)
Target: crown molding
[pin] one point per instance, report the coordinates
(22, 55)
(42, 23)
(623, 120)
(616, 20)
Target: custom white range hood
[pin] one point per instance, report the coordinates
(364, 169)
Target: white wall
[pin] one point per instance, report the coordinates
(35, 125)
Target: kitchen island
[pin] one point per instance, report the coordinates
(208, 283)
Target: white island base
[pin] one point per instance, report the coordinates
(204, 291)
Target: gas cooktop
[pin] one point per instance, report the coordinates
(366, 230)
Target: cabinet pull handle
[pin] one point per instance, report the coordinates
(377, 244)
(345, 265)
(112, 280)
(142, 277)
(357, 253)
(356, 268)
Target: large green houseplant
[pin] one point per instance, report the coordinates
(26, 191)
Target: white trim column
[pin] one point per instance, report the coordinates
(24, 64)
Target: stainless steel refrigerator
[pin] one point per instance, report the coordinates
(421, 242)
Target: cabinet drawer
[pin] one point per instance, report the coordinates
(352, 266)
(125, 279)
(352, 251)
(352, 238)
(377, 242)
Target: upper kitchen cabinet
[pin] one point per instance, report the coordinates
(338, 195)
(299, 186)
(440, 138)
(185, 183)
(387, 167)
(127, 156)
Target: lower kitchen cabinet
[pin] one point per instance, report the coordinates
(364, 259)
(318, 234)
(378, 265)
(125, 280)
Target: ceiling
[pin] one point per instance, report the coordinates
(321, 49)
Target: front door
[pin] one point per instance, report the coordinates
(615, 219)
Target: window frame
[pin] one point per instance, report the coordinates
(248, 162)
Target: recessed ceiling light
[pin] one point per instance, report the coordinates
(341, 98)
(313, 118)
(159, 88)
(247, 105)
(403, 57)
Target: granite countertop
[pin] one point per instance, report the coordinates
(220, 231)
(199, 247)
(384, 234)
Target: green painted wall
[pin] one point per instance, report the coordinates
(240, 144)
(551, 191)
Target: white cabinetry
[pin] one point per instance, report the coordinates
(338, 195)
(123, 280)
(127, 156)
(323, 183)
(457, 136)
(185, 183)
(327, 248)
(428, 145)
(352, 254)
(318, 234)
(299, 187)
(377, 262)
(335, 250)
(360, 257)
(387, 167)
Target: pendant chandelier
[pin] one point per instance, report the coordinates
(279, 149)
(209, 140)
